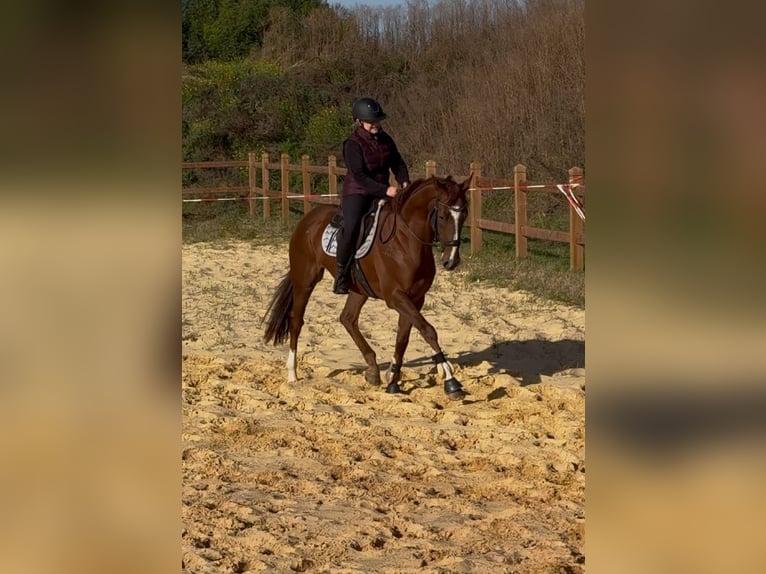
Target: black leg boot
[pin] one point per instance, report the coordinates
(342, 278)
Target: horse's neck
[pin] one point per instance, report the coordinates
(416, 209)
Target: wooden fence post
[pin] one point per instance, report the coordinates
(306, 183)
(474, 209)
(520, 202)
(251, 167)
(265, 185)
(332, 163)
(430, 168)
(576, 249)
(284, 159)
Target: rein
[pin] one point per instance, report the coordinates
(431, 214)
(434, 227)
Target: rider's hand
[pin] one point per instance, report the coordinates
(392, 191)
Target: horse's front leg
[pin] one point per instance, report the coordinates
(409, 311)
(394, 373)
(349, 317)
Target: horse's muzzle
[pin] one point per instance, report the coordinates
(452, 261)
(451, 254)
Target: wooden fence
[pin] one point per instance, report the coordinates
(263, 195)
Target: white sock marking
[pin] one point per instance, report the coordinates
(291, 364)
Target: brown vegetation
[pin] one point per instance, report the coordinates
(498, 81)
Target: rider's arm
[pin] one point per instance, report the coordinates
(398, 166)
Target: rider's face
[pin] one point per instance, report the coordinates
(372, 127)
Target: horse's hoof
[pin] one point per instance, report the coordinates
(372, 379)
(393, 388)
(452, 386)
(456, 395)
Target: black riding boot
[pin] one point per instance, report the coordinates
(342, 278)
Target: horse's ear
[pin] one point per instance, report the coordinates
(445, 182)
(465, 186)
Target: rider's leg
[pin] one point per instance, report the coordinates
(354, 208)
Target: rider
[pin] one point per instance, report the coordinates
(369, 154)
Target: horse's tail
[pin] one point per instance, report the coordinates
(278, 314)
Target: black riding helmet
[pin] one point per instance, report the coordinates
(367, 110)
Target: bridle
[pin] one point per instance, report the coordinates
(432, 217)
(432, 214)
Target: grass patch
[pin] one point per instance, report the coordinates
(214, 223)
(545, 272)
(504, 270)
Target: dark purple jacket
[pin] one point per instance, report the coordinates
(368, 160)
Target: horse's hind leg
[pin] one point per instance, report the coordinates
(304, 281)
(349, 317)
(403, 330)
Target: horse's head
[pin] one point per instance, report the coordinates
(451, 211)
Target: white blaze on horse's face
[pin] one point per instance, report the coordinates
(449, 233)
(454, 255)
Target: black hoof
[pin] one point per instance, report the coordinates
(393, 388)
(452, 386)
(456, 395)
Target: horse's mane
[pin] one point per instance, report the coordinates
(414, 186)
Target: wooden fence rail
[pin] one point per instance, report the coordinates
(263, 195)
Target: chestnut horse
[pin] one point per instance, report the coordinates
(399, 269)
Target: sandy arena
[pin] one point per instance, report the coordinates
(331, 475)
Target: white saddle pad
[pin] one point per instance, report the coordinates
(330, 240)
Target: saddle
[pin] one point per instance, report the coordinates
(367, 231)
